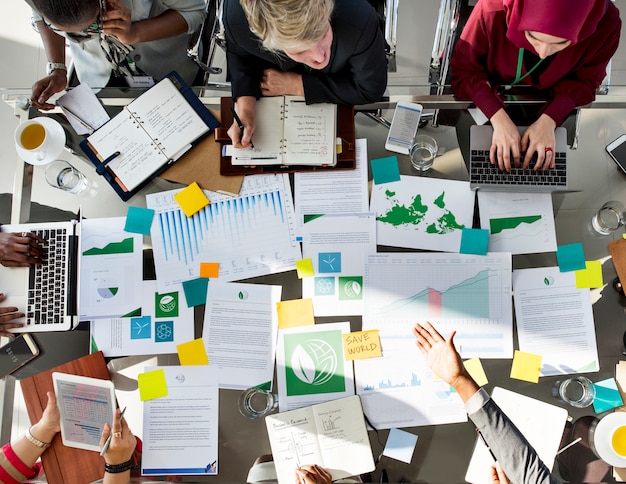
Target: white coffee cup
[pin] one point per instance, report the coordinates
(39, 140)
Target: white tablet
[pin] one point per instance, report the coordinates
(86, 404)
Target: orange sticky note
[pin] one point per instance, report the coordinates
(361, 344)
(210, 270)
(191, 199)
(297, 312)
(152, 385)
(475, 368)
(304, 268)
(526, 366)
(192, 353)
(590, 276)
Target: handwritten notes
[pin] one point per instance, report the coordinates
(361, 344)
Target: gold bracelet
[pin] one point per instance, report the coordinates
(36, 441)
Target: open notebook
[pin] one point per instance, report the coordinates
(290, 132)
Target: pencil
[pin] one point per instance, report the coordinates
(105, 447)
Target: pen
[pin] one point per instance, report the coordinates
(486, 445)
(78, 118)
(105, 447)
(573, 442)
(239, 123)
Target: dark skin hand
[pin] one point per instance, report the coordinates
(21, 249)
(8, 314)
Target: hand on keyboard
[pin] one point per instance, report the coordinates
(8, 314)
(21, 249)
(539, 142)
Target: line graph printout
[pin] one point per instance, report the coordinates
(469, 294)
(249, 235)
(419, 214)
(520, 223)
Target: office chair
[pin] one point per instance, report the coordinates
(206, 42)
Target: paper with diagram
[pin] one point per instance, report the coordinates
(249, 235)
(418, 213)
(520, 223)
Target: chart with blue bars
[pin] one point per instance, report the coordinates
(249, 235)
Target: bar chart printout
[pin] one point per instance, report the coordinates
(249, 235)
(466, 293)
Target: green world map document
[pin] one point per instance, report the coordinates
(421, 213)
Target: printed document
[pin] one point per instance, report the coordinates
(555, 320)
(180, 430)
(341, 191)
(337, 245)
(239, 332)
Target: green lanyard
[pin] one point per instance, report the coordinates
(520, 60)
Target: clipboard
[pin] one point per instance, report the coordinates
(101, 165)
(346, 160)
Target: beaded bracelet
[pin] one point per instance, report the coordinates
(117, 468)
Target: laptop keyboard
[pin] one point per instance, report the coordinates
(47, 281)
(484, 173)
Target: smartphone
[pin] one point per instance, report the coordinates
(617, 150)
(16, 353)
(404, 125)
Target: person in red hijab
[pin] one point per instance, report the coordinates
(560, 47)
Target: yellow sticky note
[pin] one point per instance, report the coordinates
(591, 276)
(191, 199)
(192, 353)
(475, 368)
(305, 268)
(152, 385)
(210, 270)
(361, 344)
(297, 312)
(526, 366)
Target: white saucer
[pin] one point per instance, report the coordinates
(602, 438)
(57, 134)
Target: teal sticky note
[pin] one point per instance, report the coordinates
(571, 257)
(139, 220)
(607, 396)
(474, 241)
(385, 170)
(195, 291)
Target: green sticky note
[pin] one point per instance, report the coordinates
(474, 241)
(570, 257)
(192, 353)
(607, 396)
(591, 276)
(191, 199)
(304, 268)
(139, 220)
(385, 170)
(195, 291)
(152, 385)
(526, 366)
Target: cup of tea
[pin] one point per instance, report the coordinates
(40, 140)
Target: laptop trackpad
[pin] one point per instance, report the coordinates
(14, 285)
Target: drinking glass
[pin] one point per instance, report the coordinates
(423, 152)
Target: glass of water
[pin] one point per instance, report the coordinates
(578, 391)
(256, 403)
(610, 217)
(423, 152)
(62, 175)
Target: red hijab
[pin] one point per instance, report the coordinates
(574, 20)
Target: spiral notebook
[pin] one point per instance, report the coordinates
(148, 135)
(290, 132)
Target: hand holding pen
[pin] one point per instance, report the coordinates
(242, 129)
(117, 441)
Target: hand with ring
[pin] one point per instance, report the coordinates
(123, 441)
(540, 138)
(21, 249)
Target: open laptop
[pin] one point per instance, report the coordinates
(485, 176)
(47, 293)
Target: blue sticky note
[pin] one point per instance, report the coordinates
(607, 396)
(400, 445)
(474, 241)
(195, 291)
(139, 220)
(385, 170)
(571, 257)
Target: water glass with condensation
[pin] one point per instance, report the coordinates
(256, 403)
(423, 151)
(62, 175)
(610, 217)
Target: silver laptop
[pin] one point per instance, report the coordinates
(485, 176)
(47, 293)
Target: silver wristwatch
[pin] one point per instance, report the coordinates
(51, 66)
